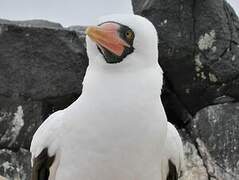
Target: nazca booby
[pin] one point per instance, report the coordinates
(116, 130)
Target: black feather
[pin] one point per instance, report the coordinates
(41, 166)
(172, 173)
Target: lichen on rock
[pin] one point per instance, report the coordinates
(207, 40)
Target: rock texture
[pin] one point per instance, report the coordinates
(43, 64)
(15, 165)
(194, 165)
(199, 53)
(219, 147)
(42, 68)
(37, 62)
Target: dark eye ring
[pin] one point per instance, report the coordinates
(129, 34)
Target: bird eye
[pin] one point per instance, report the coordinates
(129, 34)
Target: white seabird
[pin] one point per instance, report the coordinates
(117, 128)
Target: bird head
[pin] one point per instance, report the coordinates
(123, 40)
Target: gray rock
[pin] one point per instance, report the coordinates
(33, 23)
(40, 63)
(15, 166)
(198, 48)
(216, 131)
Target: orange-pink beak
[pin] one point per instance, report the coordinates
(107, 36)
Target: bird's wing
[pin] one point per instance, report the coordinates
(172, 171)
(44, 148)
(41, 166)
(173, 154)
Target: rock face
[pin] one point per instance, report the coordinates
(57, 53)
(199, 53)
(42, 66)
(42, 69)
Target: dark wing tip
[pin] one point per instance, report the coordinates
(172, 173)
(41, 166)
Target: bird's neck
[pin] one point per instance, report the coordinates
(123, 87)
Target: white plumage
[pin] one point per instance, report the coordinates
(173, 151)
(116, 130)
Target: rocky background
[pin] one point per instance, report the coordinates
(42, 66)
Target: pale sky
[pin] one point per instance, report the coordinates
(68, 12)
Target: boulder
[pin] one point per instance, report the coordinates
(38, 62)
(198, 48)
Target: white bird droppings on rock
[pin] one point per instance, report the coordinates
(16, 125)
(194, 168)
(206, 41)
